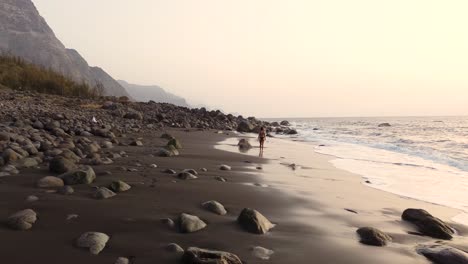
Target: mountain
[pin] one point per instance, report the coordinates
(144, 93)
(24, 33)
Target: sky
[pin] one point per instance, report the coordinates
(280, 58)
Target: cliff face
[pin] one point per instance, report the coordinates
(24, 33)
(144, 93)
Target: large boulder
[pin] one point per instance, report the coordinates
(285, 123)
(372, 236)
(245, 126)
(254, 222)
(190, 223)
(428, 224)
(95, 241)
(83, 175)
(50, 182)
(214, 207)
(194, 255)
(441, 254)
(22, 220)
(61, 165)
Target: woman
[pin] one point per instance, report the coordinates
(262, 137)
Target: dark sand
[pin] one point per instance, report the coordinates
(312, 228)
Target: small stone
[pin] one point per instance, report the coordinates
(66, 190)
(50, 182)
(175, 143)
(441, 254)
(22, 220)
(186, 176)
(169, 171)
(204, 169)
(372, 236)
(190, 223)
(119, 186)
(71, 217)
(154, 166)
(262, 253)
(195, 255)
(225, 167)
(174, 248)
(103, 193)
(221, 179)
(32, 198)
(83, 175)
(192, 171)
(136, 143)
(122, 260)
(169, 222)
(61, 165)
(215, 207)
(95, 241)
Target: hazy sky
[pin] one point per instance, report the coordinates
(280, 58)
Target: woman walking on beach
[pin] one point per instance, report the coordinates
(262, 137)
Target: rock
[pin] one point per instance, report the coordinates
(122, 260)
(221, 179)
(154, 166)
(254, 222)
(50, 182)
(32, 198)
(103, 193)
(29, 163)
(195, 255)
(169, 151)
(95, 241)
(372, 236)
(292, 132)
(174, 248)
(169, 171)
(22, 220)
(119, 186)
(285, 123)
(384, 125)
(204, 169)
(83, 175)
(428, 224)
(245, 126)
(244, 144)
(134, 115)
(10, 155)
(71, 217)
(190, 223)
(61, 165)
(66, 190)
(11, 169)
(262, 253)
(169, 222)
(441, 254)
(192, 171)
(215, 207)
(137, 143)
(167, 136)
(225, 167)
(174, 142)
(4, 136)
(186, 176)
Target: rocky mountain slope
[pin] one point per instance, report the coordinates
(145, 93)
(24, 33)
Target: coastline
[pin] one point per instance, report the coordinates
(311, 221)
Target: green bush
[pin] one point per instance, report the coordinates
(17, 74)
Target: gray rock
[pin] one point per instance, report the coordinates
(175, 143)
(167, 136)
(22, 220)
(174, 248)
(245, 126)
(428, 224)
(215, 207)
(225, 167)
(254, 222)
(50, 182)
(169, 222)
(169, 171)
(10, 155)
(136, 143)
(372, 236)
(169, 151)
(285, 123)
(61, 165)
(122, 260)
(119, 186)
(221, 179)
(194, 255)
(190, 223)
(83, 175)
(32, 198)
(244, 144)
(186, 176)
(94, 241)
(29, 163)
(441, 254)
(103, 193)
(384, 125)
(66, 190)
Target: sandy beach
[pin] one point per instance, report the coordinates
(311, 207)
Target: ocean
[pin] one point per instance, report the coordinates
(424, 158)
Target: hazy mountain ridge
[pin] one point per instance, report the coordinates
(144, 93)
(24, 33)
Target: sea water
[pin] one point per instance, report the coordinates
(424, 158)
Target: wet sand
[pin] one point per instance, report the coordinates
(308, 205)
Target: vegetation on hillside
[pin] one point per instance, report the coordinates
(17, 74)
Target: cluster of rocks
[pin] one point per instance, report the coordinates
(427, 225)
